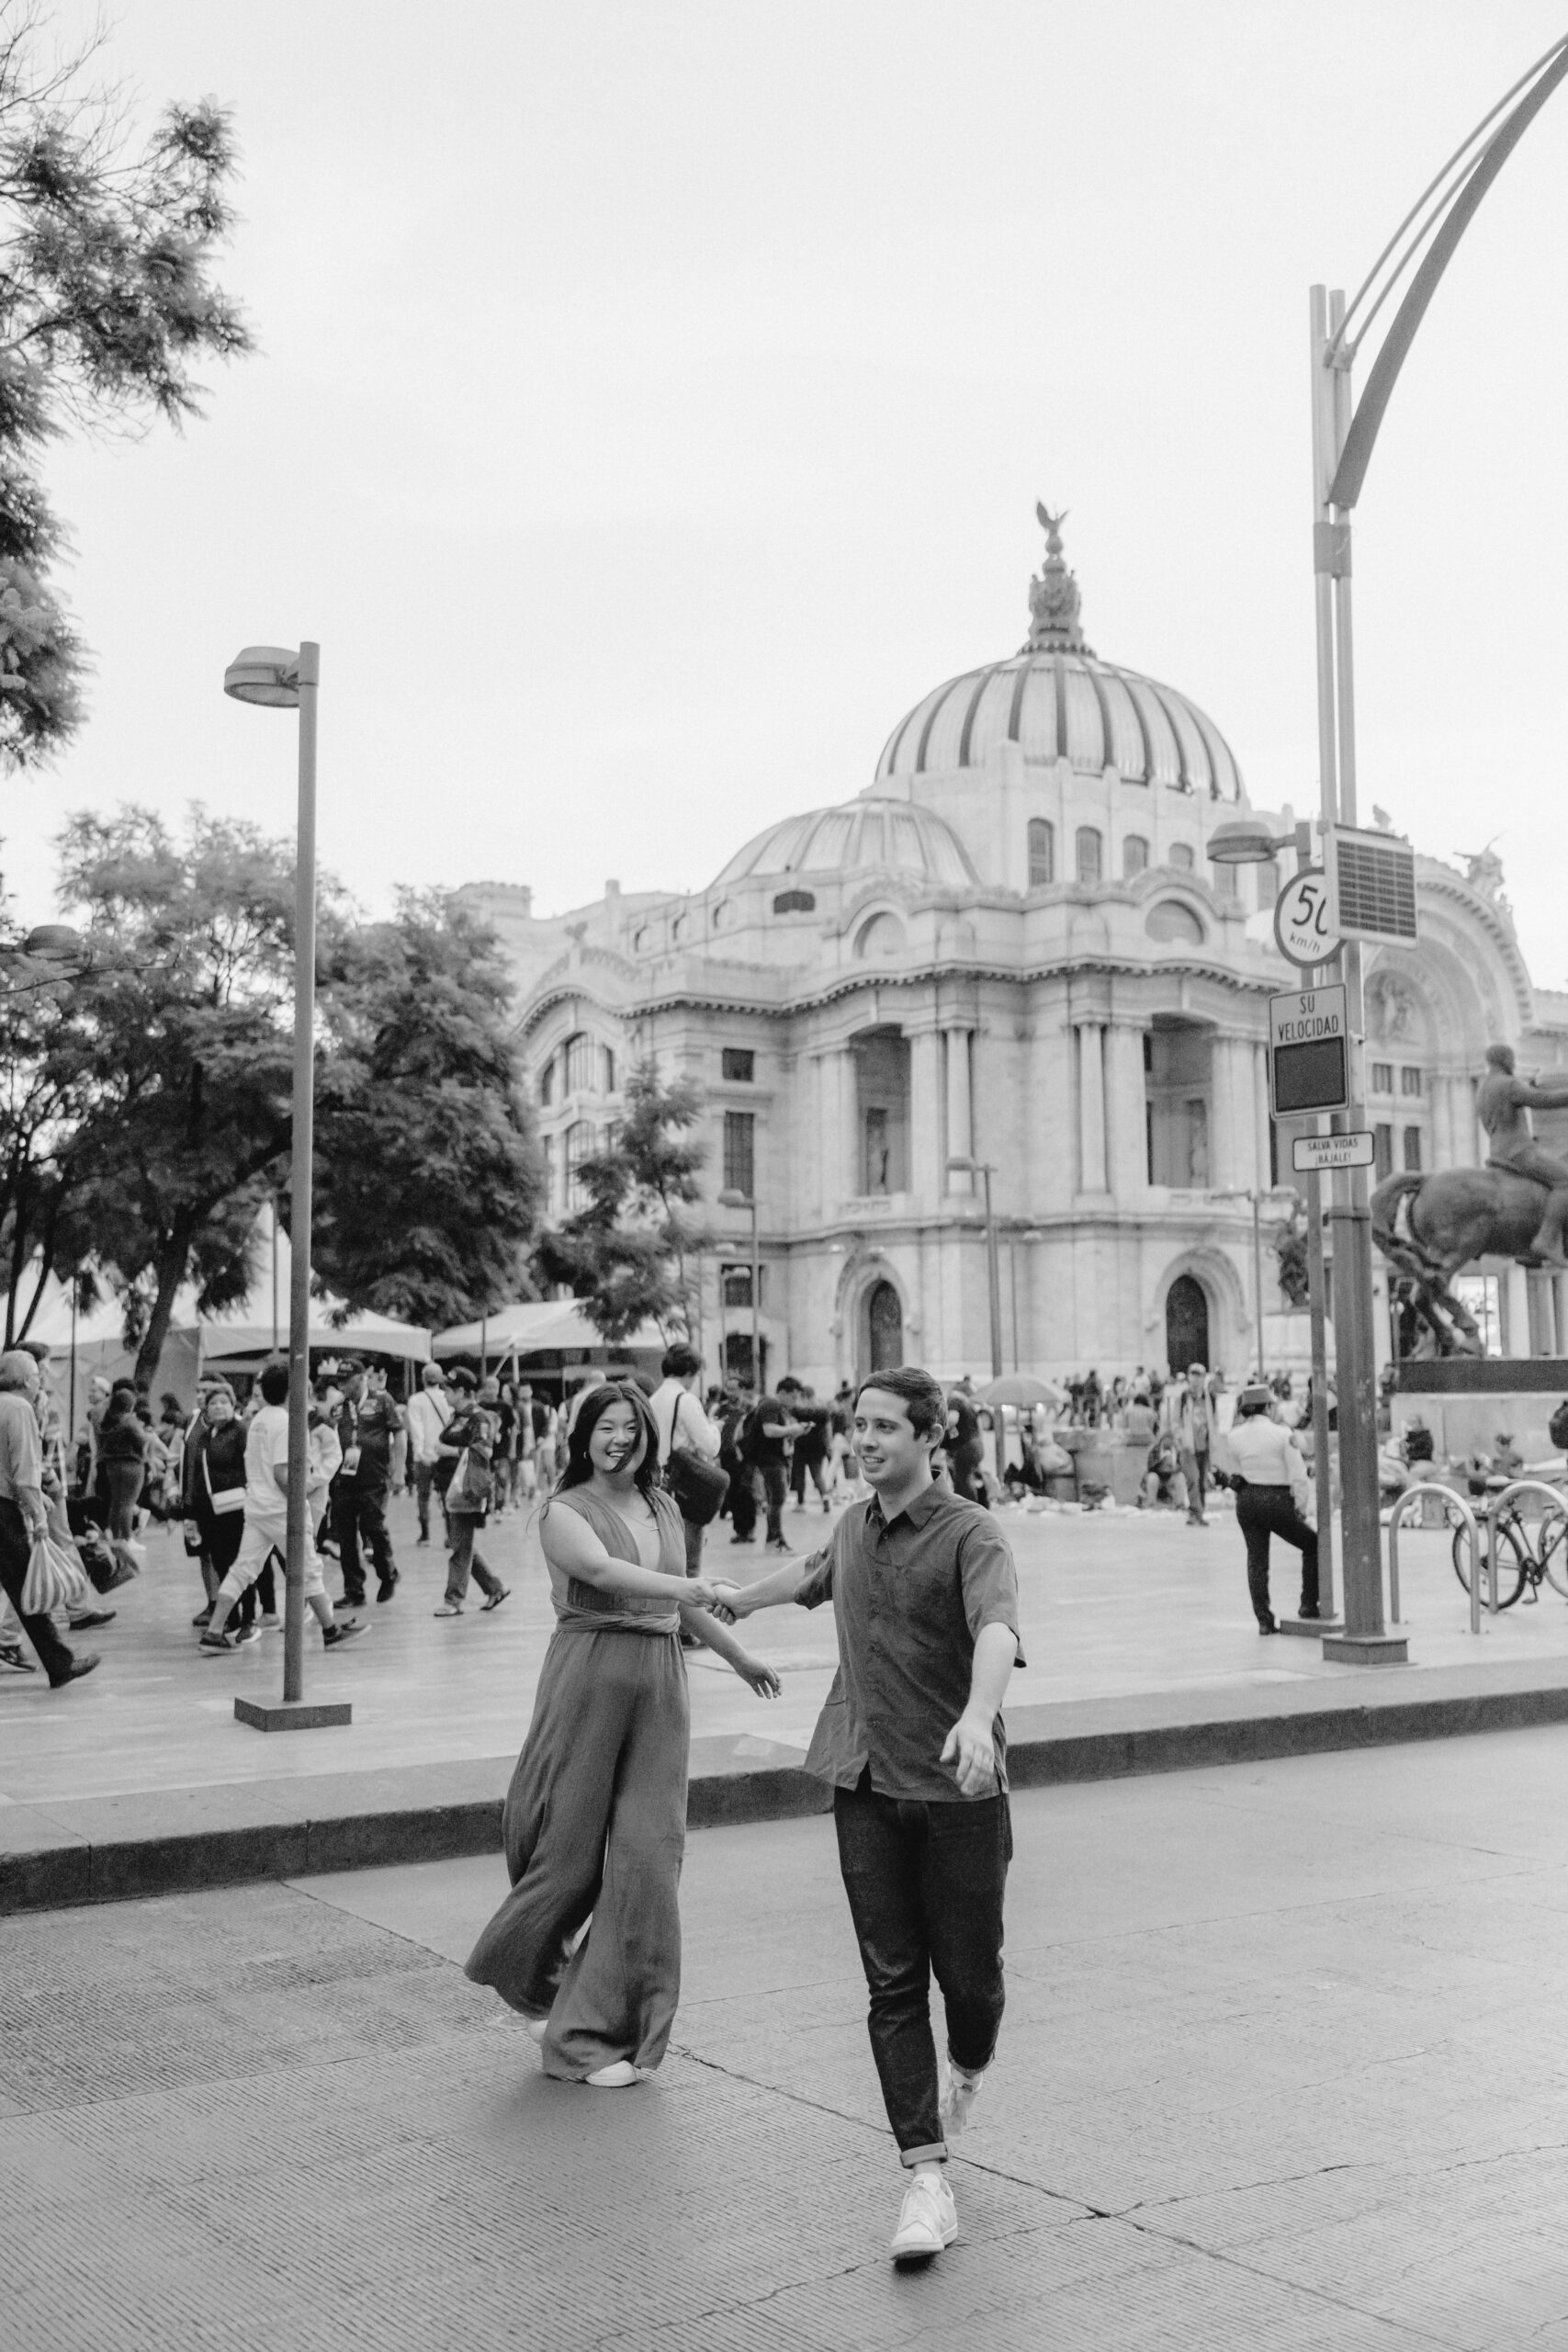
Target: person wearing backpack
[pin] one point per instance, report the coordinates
(467, 1443)
(684, 1428)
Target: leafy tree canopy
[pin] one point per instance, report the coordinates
(430, 1183)
(105, 306)
(624, 1255)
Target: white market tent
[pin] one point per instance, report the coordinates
(253, 1327)
(544, 1327)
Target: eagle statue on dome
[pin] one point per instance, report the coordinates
(1053, 594)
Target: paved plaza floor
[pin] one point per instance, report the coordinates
(1280, 2069)
(1114, 1607)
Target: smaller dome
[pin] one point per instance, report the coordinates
(878, 835)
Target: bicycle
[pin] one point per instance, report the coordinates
(1522, 1561)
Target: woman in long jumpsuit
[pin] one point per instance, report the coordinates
(595, 1824)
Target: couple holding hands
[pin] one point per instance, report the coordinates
(910, 1741)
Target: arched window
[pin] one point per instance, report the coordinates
(1171, 919)
(578, 1148)
(1042, 852)
(609, 1054)
(1135, 857)
(1180, 857)
(581, 1065)
(1090, 848)
(795, 902)
(883, 935)
(547, 1081)
(680, 929)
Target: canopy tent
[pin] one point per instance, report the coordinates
(555, 1328)
(253, 1327)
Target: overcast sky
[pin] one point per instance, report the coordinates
(652, 400)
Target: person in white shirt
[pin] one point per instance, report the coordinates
(429, 1413)
(680, 1421)
(1267, 1471)
(266, 1520)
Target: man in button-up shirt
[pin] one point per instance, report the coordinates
(925, 1599)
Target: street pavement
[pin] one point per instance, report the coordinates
(1116, 1606)
(1279, 2070)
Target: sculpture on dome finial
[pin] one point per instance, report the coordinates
(1053, 594)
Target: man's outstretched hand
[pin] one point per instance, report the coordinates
(971, 1750)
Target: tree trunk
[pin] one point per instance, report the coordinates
(171, 1264)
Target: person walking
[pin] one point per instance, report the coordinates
(770, 1432)
(1192, 1426)
(965, 1448)
(680, 1421)
(911, 1741)
(122, 1459)
(429, 1410)
(740, 1502)
(468, 1448)
(366, 1425)
(214, 1498)
(24, 1518)
(1269, 1473)
(265, 1535)
(594, 1820)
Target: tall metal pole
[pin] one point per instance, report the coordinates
(1258, 1276)
(1365, 1638)
(993, 1277)
(302, 1175)
(756, 1299)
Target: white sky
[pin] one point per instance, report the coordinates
(653, 400)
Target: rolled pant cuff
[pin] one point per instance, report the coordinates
(933, 2152)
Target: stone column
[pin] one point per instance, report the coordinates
(959, 1142)
(839, 1179)
(1224, 1169)
(925, 1179)
(1127, 1150)
(1516, 1312)
(1092, 1106)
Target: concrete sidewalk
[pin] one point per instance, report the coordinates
(1141, 1658)
(1278, 2074)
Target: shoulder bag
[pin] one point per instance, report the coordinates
(698, 1485)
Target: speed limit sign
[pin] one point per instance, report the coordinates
(1302, 928)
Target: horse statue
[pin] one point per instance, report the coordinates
(1429, 1226)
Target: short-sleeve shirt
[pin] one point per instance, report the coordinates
(266, 1450)
(910, 1600)
(767, 1421)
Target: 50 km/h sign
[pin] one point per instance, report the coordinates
(1302, 928)
(1309, 1052)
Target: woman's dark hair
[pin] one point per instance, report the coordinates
(919, 1395)
(595, 1403)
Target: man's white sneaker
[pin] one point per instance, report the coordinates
(958, 2091)
(928, 2219)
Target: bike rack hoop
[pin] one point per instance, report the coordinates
(1456, 1505)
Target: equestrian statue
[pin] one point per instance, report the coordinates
(1429, 1226)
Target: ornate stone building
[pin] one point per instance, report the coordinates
(1011, 948)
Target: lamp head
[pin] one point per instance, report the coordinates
(958, 1166)
(53, 943)
(264, 673)
(1243, 841)
(731, 1198)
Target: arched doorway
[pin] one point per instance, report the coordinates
(883, 1327)
(1185, 1324)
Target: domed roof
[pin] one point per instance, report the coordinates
(1056, 698)
(873, 833)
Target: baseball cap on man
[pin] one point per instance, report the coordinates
(432, 1375)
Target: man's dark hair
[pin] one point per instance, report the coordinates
(680, 1361)
(919, 1395)
(274, 1383)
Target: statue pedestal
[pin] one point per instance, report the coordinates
(1468, 1401)
(1366, 1649)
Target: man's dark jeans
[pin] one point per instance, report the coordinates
(776, 1486)
(53, 1656)
(925, 1883)
(361, 1517)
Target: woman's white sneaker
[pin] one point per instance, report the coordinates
(618, 2077)
(928, 2219)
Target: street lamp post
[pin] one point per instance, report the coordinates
(733, 1198)
(986, 1169)
(284, 680)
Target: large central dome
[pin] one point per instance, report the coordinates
(1056, 700)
